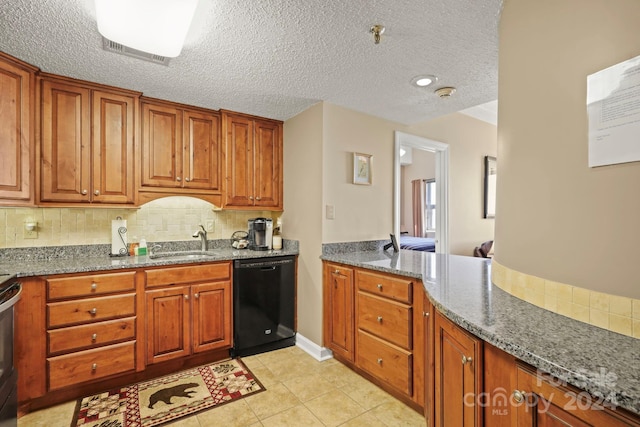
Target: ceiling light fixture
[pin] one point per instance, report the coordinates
(445, 92)
(377, 31)
(423, 80)
(153, 26)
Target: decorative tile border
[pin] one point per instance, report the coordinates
(611, 312)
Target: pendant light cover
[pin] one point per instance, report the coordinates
(153, 26)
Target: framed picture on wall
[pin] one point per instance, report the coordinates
(362, 169)
(490, 175)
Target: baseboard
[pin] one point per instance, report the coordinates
(313, 349)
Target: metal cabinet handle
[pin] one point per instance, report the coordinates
(94, 286)
(337, 272)
(94, 366)
(97, 192)
(188, 179)
(425, 313)
(186, 297)
(379, 286)
(258, 198)
(519, 396)
(178, 179)
(94, 337)
(93, 310)
(196, 295)
(250, 197)
(84, 192)
(380, 361)
(379, 319)
(466, 360)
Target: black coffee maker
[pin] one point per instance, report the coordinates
(260, 234)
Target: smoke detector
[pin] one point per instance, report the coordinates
(445, 92)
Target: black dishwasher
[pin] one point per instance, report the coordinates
(264, 297)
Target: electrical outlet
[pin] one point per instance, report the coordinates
(210, 225)
(330, 212)
(30, 234)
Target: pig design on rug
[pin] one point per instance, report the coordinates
(165, 394)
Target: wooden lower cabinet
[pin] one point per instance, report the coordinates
(79, 334)
(184, 317)
(458, 375)
(339, 310)
(373, 323)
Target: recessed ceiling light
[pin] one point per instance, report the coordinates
(423, 80)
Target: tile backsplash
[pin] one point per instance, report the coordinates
(165, 219)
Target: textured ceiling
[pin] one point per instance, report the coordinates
(275, 58)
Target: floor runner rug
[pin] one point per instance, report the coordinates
(166, 399)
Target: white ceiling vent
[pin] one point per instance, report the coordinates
(112, 46)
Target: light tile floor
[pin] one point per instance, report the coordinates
(300, 392)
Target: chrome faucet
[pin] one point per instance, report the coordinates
(202, 234)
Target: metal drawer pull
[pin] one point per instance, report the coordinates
(186, 297)
(94, 366)
(519, 396)
(178, 179)
(380, 361)
(94, 337)
(250, 197)
(188, 179)
(97, 192)
(94, 286)
(196, 295)
(258, 198)
(425, 313)
(379, 287)
(466, 360)
(337, 272)
(93, 310)
(379, 319)
(84, 192)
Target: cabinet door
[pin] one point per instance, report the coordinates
(429, 382)
(239, 161)
(267, 158)
(457, 375)
(66, 150)
(113, 130)
(211, 316)
(543, 401)
(201, 150)
(499, 383)
(168, 321)
(16, 106)
(161, 146)
(339, 310)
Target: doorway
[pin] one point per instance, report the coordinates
(441, 151)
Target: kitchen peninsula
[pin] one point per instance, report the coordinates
(503, 341)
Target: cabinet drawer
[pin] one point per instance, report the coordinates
(385, 361)
(90, 310)
(92, 335)
(390, 287)
(97, 284)
(387, 319)
(90, 365)
(196, 273)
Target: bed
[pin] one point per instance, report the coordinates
(425, 244)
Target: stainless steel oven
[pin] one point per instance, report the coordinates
(10, 291)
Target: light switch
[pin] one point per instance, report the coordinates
(330, 212)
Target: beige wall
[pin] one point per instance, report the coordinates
(556, 218)
(469, 141)
(166, 219)
(302, 217)
(423, 166)
(362, 212)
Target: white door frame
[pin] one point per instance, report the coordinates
(441, 151)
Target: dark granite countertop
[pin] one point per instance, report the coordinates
(46, 261)
(604, 363)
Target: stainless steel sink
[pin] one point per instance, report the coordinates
(183, 255)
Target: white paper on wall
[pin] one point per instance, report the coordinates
(613, 107)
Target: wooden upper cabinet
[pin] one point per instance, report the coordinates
(180, 150)
(17, 82)
(253, 153)
(87, 143)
